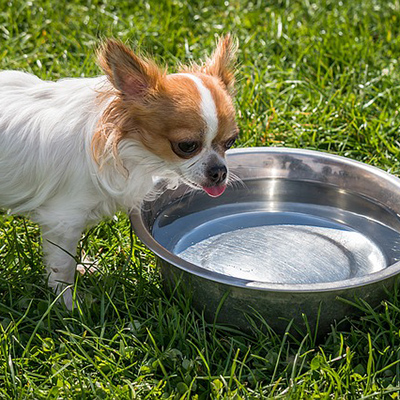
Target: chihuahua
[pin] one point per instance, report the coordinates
(79, 149)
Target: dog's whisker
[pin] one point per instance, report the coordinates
(234, 180)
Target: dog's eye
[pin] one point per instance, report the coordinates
(230, 143)
(186, 149)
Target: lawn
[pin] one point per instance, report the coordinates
(315, 74)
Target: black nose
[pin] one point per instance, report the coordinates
(217, 174)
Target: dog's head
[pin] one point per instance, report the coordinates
(186, 119)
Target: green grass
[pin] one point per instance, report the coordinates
(319, 74)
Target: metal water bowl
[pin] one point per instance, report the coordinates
(299, 233)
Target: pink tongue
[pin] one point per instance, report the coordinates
(215, 191)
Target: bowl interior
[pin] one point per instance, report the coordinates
(295, 218)
(297, 236)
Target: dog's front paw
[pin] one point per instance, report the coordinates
(67, 297)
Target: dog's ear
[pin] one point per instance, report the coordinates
(133, 76)
(221, 63)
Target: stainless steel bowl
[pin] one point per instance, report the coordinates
(301, 231)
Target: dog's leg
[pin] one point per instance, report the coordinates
(59, 246)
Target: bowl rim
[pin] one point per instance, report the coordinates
(185, 266)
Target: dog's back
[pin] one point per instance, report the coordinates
(17, 79)
(43, 129)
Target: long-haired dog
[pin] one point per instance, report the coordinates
(79, 149)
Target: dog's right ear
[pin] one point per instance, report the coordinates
(133, 76)
(221, 63)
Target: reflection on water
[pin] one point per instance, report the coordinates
(287, 254)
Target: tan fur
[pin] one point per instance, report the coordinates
(220, 64)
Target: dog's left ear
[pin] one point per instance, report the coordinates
(133, 76)
(221, 63)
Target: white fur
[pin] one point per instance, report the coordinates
(48, 173)
(194, 169)
(208, 109)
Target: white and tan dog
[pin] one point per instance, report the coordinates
(79, 149)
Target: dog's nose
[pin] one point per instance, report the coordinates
(217, 174)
